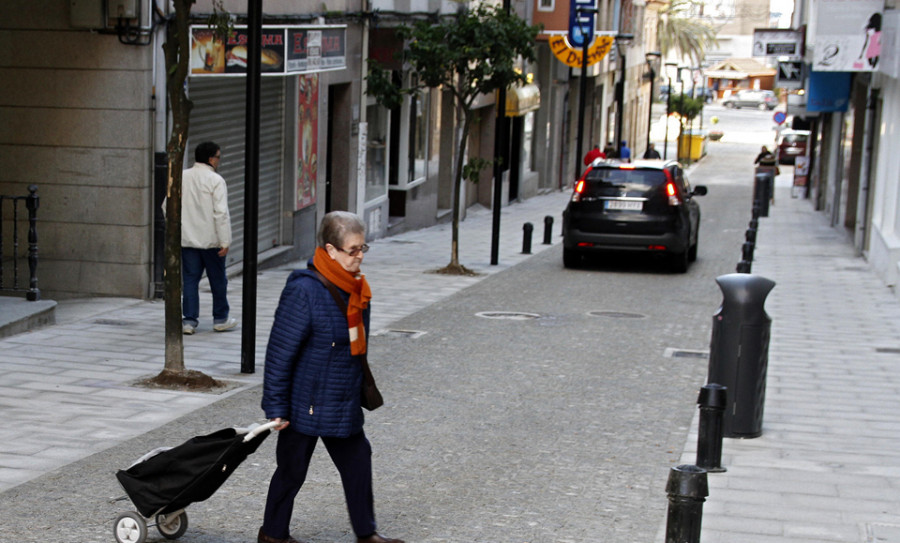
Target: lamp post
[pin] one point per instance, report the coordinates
(668, 109)
(620, 87)
(587, 38)
(650, 57)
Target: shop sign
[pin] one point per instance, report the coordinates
(848, 35)
(572, 56)
(284, 50)
(774, 42)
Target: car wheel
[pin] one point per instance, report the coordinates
(762, 106)
(729, 105)
(680, 261)
(692, 252)
(571, 258)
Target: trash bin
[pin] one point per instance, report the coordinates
(762, 190)
(692, 145)
(739, 351)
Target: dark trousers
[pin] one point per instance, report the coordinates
(353, 458)
(193, 263)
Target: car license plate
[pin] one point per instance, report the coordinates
(624, 205)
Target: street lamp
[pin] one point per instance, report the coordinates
(668, 107)
(651, 57)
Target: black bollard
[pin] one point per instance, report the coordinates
(762, 191)
(712, 401)
(548, 230)
(750, 235)
(527, 229)
(739, 351)
(687, 489)
(754, 224)
(747, 251)
(743, 266)
(755, 210)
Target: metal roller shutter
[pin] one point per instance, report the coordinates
(218, 115)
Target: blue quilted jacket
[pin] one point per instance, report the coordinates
(310, 376)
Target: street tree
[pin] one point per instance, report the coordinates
(177, 51)
(470, 53)
(681, 30)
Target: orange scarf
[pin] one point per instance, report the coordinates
(360, 294)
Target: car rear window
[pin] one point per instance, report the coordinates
(615, 182)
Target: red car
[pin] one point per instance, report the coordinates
(792, 145)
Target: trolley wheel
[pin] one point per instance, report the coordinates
(130, 527)
(172, 526)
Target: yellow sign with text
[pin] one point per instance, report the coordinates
(571, 56)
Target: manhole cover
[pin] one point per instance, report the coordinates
(407, 334)
(509, 315)
(616, 315)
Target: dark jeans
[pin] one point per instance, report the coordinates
(193, 263)
(353, 458)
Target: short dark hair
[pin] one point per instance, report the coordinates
(206, 151)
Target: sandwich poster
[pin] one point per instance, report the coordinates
(306, 49)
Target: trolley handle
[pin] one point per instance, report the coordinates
(260, 429)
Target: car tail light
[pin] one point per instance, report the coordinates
(672, 191)
(579, 190)
(656, 247)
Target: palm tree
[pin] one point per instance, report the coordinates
(681, 29)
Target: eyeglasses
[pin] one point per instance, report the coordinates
(353, 252)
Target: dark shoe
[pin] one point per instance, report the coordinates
(263, 538)
(375, 538)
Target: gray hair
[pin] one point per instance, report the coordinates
(337, 225)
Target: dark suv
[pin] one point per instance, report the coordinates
(647, 206)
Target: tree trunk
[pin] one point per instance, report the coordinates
(177, 53)
(457, 188)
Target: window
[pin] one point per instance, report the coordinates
(376, 151)
(546, 5)
(418, 136)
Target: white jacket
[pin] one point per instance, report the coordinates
(205, 221)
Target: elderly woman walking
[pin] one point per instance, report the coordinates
(313, 378)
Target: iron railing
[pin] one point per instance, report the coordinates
(12, 255)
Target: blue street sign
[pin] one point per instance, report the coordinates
(581, 23)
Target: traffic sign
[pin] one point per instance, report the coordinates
(581, 22)
(779, 117)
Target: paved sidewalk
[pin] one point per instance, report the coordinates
(827, 466)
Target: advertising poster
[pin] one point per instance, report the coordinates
(307, 130)
(848, 35)
(207, 52)
(801, 176)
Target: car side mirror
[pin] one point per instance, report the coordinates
(699, 190)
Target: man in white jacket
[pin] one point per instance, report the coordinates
(205, 237)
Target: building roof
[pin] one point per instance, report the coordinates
(739, 68)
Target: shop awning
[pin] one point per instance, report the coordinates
(522, 100)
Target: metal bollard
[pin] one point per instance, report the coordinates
(687, 489)
(548, 230)
(755, 210)
(754, 224)
(712, 401)
(762, 191)
(527, 229)
(739, 351)
(750, 235)
(747, 251)
(743, 267)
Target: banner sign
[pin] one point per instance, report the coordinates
(848, 35)
(773, 42)
(828, 91)
(284, 50)
(571, 56)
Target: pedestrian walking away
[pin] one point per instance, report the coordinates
(205, 238)
(313, 380)
(651, 152)
(593, 155)
(624, 152)
(610, 150)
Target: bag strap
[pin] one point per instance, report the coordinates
(342, 305)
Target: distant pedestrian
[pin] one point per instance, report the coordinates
(313, 379)
(593, 155)
(205, 238)
(610, 150)
(765, 157)
(624, 152)
(651, 152)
